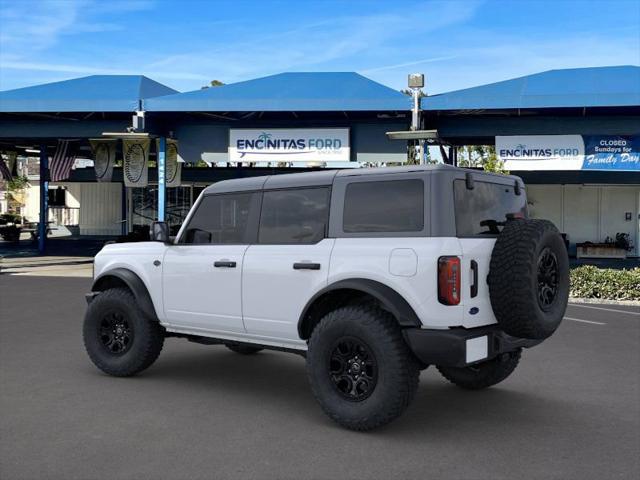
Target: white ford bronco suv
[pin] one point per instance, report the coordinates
(371, 274)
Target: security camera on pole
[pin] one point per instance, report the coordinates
(416, 83)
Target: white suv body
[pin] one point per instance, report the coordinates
(419, 256)
(261, 298)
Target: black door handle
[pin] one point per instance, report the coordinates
(474, 285)
(306, 266)
(224, 263)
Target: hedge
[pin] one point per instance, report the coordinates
(588, 281)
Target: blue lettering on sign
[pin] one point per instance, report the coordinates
(264, 141)
(611, 152)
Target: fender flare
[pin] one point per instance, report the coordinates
(135, 284)
(389, 299)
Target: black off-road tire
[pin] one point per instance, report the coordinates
(146, 335)
(482, 375)
(243, 349)
(396, 369)
(519, 279)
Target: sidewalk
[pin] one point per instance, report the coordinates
(48, 266)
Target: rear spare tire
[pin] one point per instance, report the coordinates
(529, 278)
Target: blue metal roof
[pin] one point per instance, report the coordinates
(577, 87)
(96, 93)
(299, 92)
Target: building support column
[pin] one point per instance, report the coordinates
(123, 209)
(162, 178)
(44, 199)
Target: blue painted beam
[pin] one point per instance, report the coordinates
(44, 199)
(162, 178)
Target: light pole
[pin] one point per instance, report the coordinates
(416, 83)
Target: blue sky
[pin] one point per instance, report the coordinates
(184, 44)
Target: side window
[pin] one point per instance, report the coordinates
(384, 206)
(483, 210)
(294, 216)
(221, 219)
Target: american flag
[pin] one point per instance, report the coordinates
(4, 170)
(62, 161)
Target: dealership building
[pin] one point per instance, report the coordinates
(573, 135)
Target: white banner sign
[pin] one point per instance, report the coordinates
(289, 145)
(174, 167)
(104, 157)
(541, 152)
(136, 162)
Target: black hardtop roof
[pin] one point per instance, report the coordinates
(319, 178)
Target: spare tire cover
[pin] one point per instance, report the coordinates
(529, 278)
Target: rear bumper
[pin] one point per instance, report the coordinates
(460, 347)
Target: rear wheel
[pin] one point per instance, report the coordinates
(360, 369)
(242, 348)
(485, 374)
(118, 337)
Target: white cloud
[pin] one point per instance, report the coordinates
(408, 64)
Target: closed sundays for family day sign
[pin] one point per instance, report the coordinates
(289, 145)
(569, 152)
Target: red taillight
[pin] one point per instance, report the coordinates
(449, 280)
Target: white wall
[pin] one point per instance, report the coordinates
(588, 212)
(31, 208)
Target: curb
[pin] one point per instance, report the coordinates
(603, 301)
(51, 264)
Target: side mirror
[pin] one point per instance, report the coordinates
(160, 232)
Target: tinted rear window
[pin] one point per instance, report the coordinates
(483, 210)
(384, 206)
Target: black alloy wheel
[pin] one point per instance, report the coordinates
(353, 369)
(547, 278)
(116, 333)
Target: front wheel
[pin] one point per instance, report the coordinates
(483, 375)
(118, 337)
(361, 371)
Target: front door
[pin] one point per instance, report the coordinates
(202, 272)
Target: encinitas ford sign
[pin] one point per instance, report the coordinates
(289, 145)
(541, 152)
(569, 152)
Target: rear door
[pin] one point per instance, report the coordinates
(480, 214)
(289, 263)
(202, 272)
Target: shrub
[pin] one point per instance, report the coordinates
(588, 281)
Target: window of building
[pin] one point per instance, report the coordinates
(483, 210)
(221, 219)
(384, 206)
(294, 216)
(57, 197)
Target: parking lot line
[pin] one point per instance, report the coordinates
(602, 308)
(584, 321)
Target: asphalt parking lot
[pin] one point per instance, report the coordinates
(571, 410)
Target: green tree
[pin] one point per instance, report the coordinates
(475, 156)
(213, 83)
